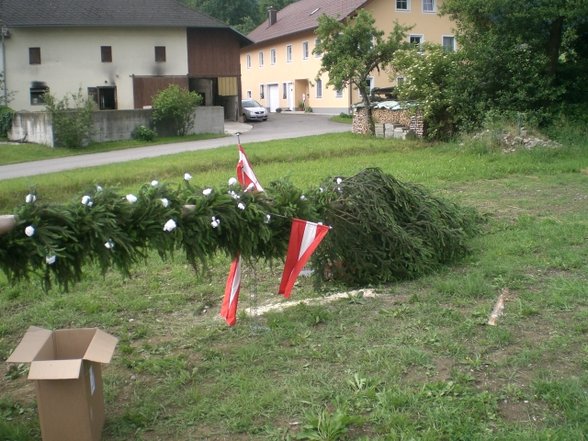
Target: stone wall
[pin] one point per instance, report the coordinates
(411, 121)
(109, 125)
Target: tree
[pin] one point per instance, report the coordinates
(353, 49)
(523, 55)
(242, 14)
(176, 106)
(71, 118)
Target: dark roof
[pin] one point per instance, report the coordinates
(75, 13)
(303, 16)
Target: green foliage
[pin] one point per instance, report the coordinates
(326, 426)
(385, 230)
(6, 115)
(71, 118)
(176, 106)
(352, 50)
(142, 133)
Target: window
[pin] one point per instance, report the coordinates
(249, 94)
(272, 56)
(403, 5)
(305, 50)
(160, 54)
(34, 55)
(260, 58)
(429, 6)
(284, 90)
(317, 54)
(289, 53)
(339, 93)
(37, 91)
(106, 54)
(248, 58)
(319, 88)
(262, 91)
(417, 40)
(399, 81)
(449, 43)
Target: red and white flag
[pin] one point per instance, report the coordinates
(304, 238)
(232, 288)
(245, 174)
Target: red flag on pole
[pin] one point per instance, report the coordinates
(232, 288)
(245, 174)
(304, 238)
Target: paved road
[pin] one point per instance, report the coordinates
(279, 126)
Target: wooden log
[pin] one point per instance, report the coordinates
(498, 307)
(7, 223)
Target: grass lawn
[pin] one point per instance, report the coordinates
(12, 153)
(416, 361)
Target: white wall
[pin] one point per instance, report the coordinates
(70, 59)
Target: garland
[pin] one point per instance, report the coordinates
(383, 230)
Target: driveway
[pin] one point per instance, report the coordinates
(278, 126)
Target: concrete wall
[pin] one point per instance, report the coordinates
(109, 125)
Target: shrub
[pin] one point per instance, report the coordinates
(71, 118)
(142, 133)
(6, 115)
(175, 106)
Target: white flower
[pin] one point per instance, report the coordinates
(187, 176)
(268, 217)
(321, 189)
(50, 260)
(232, 181)
(170, 225)
(99, 188)
(30, 231)
(30, 198)
(241, 206)
(207, 191)
(339, 180)
(215, 222)
(109, 244)
(131, 198)
(87, 201)
(164, 202)
(154, 183)
(234, 195)
(302, 198)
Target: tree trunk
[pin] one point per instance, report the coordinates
(554, 45)
(367, 102)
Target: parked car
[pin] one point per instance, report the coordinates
(253, 111)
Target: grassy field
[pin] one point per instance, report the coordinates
(416, 361)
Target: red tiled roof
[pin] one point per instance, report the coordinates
(302, 16)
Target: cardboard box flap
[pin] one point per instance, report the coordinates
(55, 370)
(31, 345)
(101, 348)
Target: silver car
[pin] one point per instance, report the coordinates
(253, 111)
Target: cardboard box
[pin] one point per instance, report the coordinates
(66, 368)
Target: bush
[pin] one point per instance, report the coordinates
(71, 118)
(142, 133)
(6, 115)
(175, 106)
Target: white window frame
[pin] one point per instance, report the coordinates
(316, 43)
(248, 61)
(305, 50)
(262, 91)
(272, 56)
(453, 48)
(319, 88)
(408, 6)
(288, 53)
(249, 94)
(429, 11)
(339, 93)
(261, 60)
(421, 38)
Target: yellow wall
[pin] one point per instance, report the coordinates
(301, 73)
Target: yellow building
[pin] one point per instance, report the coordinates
(280, 71)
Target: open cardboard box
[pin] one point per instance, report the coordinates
(66, 368)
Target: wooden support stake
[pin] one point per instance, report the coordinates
(498, 307)
(7, 223)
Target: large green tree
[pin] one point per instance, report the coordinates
(242, 14)
(522, 55)
(353, 49)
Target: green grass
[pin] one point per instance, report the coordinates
(11, 153)
(416, 362)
